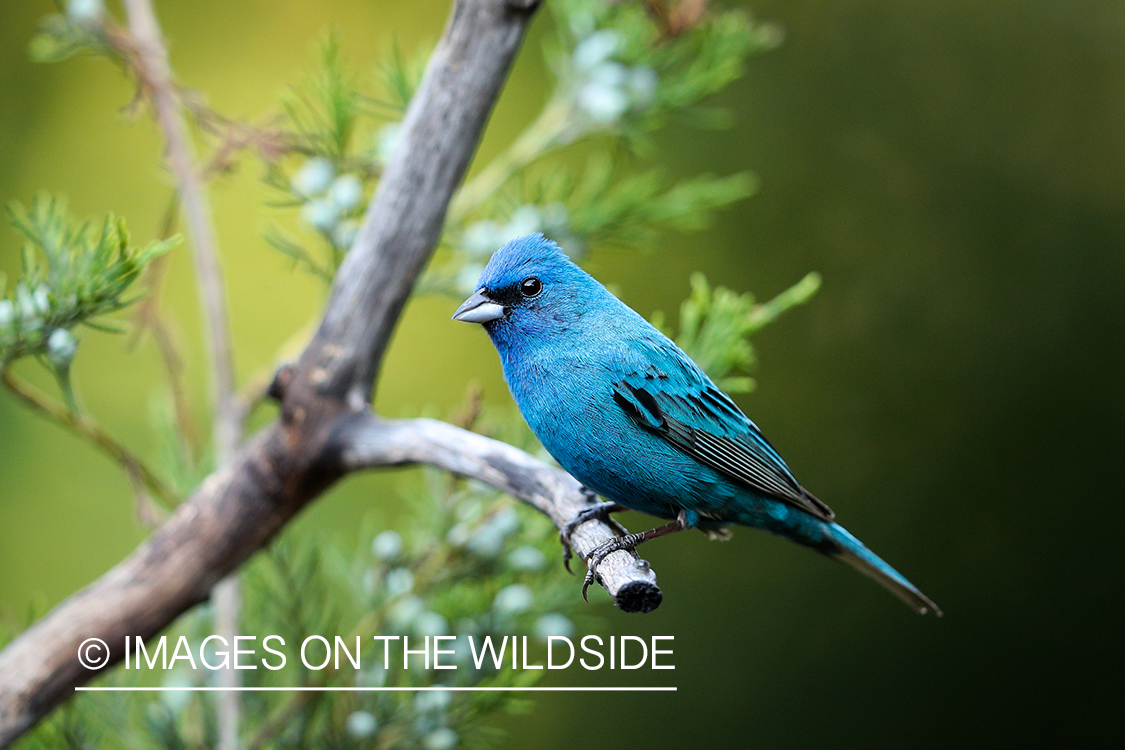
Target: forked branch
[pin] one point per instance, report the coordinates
(326, 428)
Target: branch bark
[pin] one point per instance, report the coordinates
(404, 219)
(370, 442)
(326, 428)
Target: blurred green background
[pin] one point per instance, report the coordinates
(954, 170)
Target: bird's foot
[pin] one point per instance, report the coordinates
(597, 510)
(629, 542)
(594, 559)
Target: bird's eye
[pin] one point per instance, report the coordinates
(531, 286)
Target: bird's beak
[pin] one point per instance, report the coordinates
(478, 309)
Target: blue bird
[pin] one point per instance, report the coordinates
(628, 414)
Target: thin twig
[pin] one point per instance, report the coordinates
(141, 477)
(155, 75)
(549, 131)
(148, 317)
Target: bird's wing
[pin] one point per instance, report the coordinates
(681, 405)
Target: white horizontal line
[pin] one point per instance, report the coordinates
(315, 689)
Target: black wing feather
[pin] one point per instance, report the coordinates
(745, 460)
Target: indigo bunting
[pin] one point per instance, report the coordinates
(628, 414)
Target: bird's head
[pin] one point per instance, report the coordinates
(529, 288)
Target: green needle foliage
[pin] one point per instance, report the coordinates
(62, 37)
(633, 211)
(616, 81)
(85, 272)
(716, 325)
(332, 118)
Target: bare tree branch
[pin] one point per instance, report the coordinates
(369, 442)
(235, 512)
(240, 507)
(405, 216)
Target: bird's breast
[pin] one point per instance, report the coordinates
(573, 414)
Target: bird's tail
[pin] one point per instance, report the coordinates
(841, 545)
(833, 540)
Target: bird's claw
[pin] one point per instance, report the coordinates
(599, 553)
(586, 584)
(567, 552)
(597, 510)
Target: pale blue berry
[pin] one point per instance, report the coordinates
(346, 192)
(85, 10)
(481, 238)
(430, 623)
(603, 103)
(343, 236)
(441, 739)
(405, 610)
(313, 177)
(556, 225)
(386, 141)
(486, 541)
(466, 280)
(362, 724)
(432, 700)
(609, 73)
(41, 302)
(26, 308)
(399, 581)
(61, 346)
(514, 599)
(468, 508)
(372, 676)
(595, 49)
(387, 545)
(642, 85)
(525, 220)
(459, 534)
(555, 216)
(463, 652)
(176, 700)
(321, 214)
(555, 624)
(527, 558)
(467, 626)
(506, 520)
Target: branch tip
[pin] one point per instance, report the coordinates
(639, 596)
